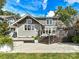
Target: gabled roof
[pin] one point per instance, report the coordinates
(40, 20)
(25, 17)
(43, 20)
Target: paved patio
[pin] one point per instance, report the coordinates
(44, 48)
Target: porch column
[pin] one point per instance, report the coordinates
(45, 31)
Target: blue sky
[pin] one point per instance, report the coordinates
(38, 7)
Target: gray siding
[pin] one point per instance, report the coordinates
(21, 32)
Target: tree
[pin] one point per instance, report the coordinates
(1, 6)
(10, 13)
(71, 10)
(77, 25)
(1, 12)
(3, 27)
(2, 3)
(65, 13)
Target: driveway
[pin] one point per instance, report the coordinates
(44, 48)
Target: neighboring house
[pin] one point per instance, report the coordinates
(29, 26)
(9, 19)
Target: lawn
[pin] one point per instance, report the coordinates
(39, 56)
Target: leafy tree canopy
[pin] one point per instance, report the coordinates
(77, 25)
(65, 13)
(3, 27)
(2, 3)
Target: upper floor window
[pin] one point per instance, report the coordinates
(54, 23)
(49, 21)
(29, 21)
(29, 27)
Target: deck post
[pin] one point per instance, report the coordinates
(49, 38)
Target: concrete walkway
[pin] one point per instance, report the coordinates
(44, 48)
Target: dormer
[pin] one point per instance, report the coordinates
(49, 21)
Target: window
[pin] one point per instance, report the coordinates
(29, 21)
(53, 31)
(26, 27)
(33, 27)
(49, 30)
(29, 27)
(54, 23)
(43, 31)
(49, 21)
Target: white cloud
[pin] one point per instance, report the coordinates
(4, 9)
(17, 1)
(23, 14)
(72, 1)
(50, 14)
(44, 4)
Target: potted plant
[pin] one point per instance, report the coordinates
(36, 38)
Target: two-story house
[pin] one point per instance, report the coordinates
(29, 26)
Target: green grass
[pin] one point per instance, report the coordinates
(39, 56)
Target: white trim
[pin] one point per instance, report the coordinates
(18, 20)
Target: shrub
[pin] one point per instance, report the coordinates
(5, 40)
(69, 38)
(36, 37)
(75, 39)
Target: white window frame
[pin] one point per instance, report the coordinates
(29, 21)
(49, 21)
(32, 27)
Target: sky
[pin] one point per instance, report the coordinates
(38, 7)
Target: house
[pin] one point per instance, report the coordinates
(29, 26)
(9, 19)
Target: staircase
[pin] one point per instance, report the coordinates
(47, 40)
